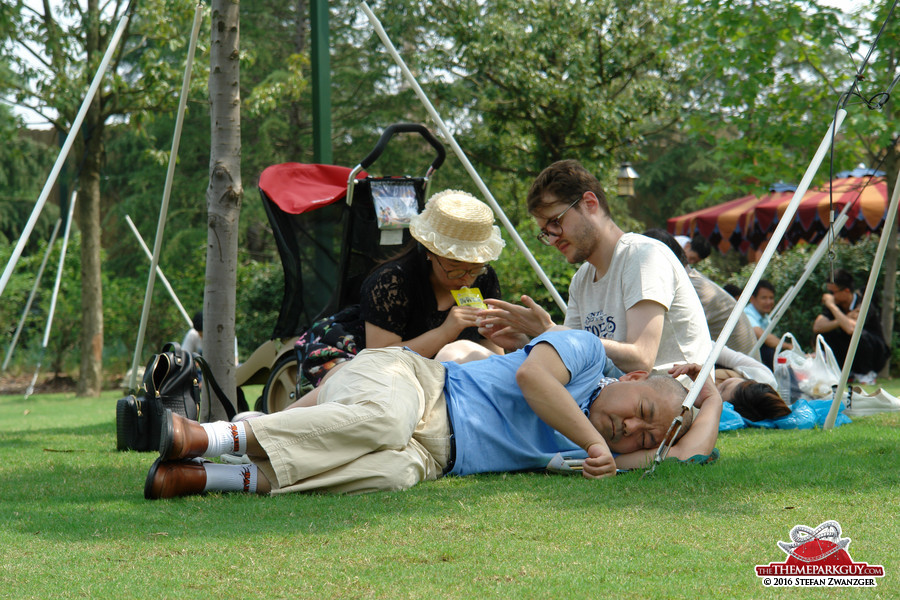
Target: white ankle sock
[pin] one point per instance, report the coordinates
(230, 478)
(225, 438)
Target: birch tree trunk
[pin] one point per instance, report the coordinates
(223, 201)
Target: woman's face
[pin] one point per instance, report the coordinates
(454, 274)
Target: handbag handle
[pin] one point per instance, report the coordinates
(208, 376)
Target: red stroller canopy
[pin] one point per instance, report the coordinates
(297, 188)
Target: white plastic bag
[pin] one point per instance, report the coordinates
(816, 374)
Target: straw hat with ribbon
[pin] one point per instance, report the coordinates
(458, 226)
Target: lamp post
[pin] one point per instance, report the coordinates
(626, 178)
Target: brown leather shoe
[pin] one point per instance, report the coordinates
(173, 479)
(181, 438)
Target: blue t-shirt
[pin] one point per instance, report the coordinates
(757, 319)
(493, 426)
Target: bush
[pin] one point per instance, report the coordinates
(517, 277)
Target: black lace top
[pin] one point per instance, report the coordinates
(397, 296)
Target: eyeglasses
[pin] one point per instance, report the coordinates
(460, 273)
(554, 224)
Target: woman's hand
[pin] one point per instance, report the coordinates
(459, 318)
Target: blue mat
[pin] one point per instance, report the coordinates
(805, 414)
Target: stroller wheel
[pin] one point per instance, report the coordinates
(281, 388)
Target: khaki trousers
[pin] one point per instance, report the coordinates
(380, 424)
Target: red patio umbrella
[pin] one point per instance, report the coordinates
(748, 221)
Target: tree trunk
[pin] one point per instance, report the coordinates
(889, 284)
(223, 200)
(91, 370)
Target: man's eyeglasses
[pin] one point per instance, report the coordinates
(554, 227)
(459, 273)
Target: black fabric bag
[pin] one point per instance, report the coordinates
(171, 382)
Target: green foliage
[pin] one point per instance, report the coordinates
(517, 277)
(24, 164)
(708, 99)
(260, 286)
(759, 97)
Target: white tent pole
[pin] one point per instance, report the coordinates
(792, 292)
(52, 311)
(159, 272)
(767, 254)
(170, 172)
(889, 221)
(63, 154)
(461, 155)
(34, 288)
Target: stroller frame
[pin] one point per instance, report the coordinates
(302, 200)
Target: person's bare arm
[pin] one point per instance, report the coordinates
(542, 378)
(846, 322)
(771, 340)
(644, 324)
(823, 324)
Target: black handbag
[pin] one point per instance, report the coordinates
(171, 376)
(171, 382)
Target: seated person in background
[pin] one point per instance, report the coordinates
(408, 300)
(732, 289)
(717, 303)
(761, 304)
(193, 339)
(630, 291)
(389, 419)
(697, 249)
(838, 320)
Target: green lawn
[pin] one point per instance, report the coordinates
(74, 524)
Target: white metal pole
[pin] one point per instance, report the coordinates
(461, 155)
(34, 288)
(767, 254)
(55, 295)
(170, 172)
(792, 292)
(63, 154)
(159, 272)
(889, 221)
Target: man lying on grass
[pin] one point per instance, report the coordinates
(389, 419)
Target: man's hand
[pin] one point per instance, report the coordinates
(599, 463)
(510, 326)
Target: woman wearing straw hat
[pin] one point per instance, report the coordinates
(408, 299)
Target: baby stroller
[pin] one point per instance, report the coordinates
(303, 205)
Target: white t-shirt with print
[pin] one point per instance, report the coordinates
(641, 269)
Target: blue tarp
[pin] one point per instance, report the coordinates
(805, 414)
